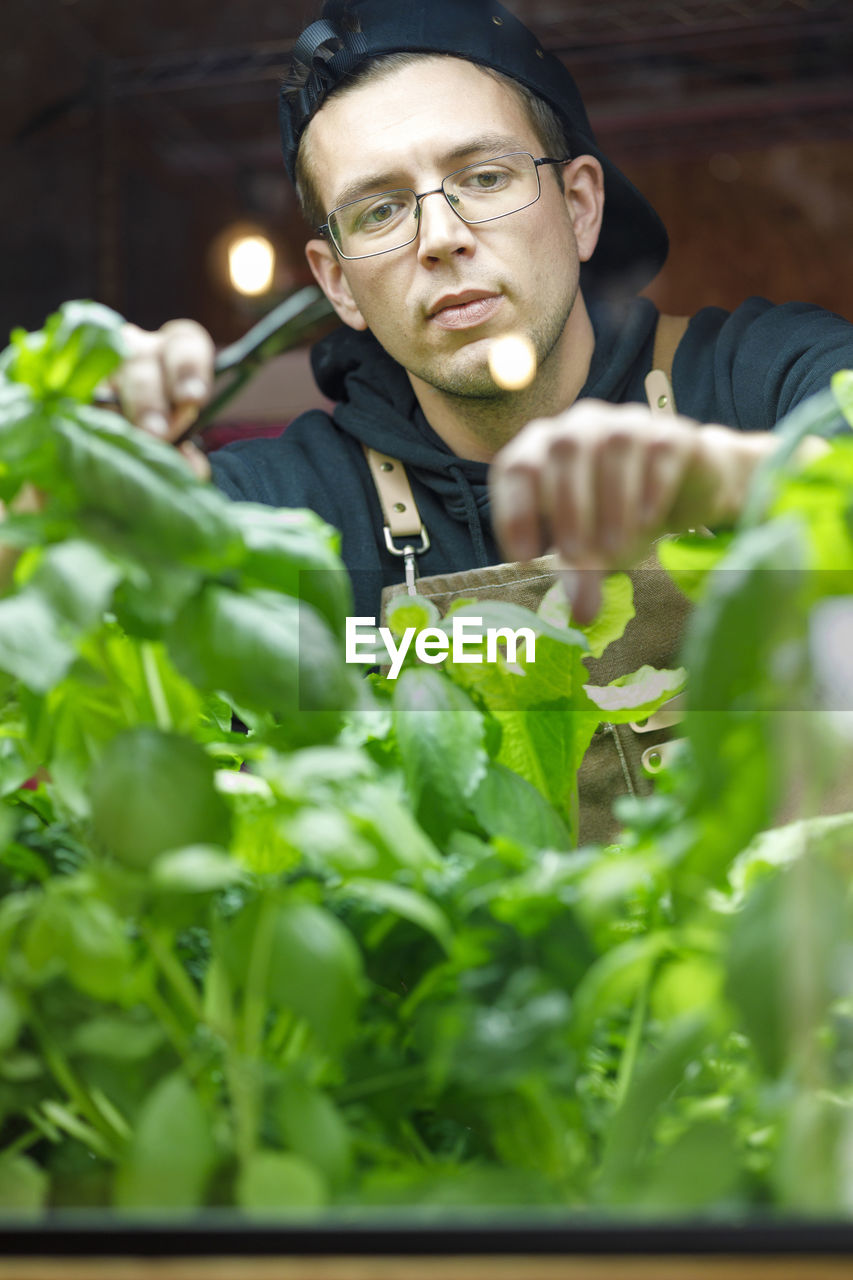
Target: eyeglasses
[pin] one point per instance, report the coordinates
(478, 193)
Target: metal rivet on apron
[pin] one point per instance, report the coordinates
(654, 759)
(399, 506)
(386, 466)
(663, 401)
(539, 53)
(498, 21)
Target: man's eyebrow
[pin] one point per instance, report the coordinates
(493, 144)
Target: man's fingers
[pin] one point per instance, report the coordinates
(583, 590)
(516, 512)
(665, 466)
(566, 504)
(142, 393)
(187, 355)
(617, 486)
(166, 377)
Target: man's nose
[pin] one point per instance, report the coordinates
(442, 232)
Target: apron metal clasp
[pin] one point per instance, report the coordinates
(408, 552)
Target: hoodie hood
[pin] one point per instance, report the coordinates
(378, 407)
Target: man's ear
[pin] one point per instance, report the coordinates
(583, 184)
(328, 272)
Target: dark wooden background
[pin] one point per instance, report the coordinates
(135, 134)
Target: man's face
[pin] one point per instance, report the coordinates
(436, 304)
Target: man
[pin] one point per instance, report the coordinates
(404, 126)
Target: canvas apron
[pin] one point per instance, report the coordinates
(622, 759)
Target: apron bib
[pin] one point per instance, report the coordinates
(621, 759)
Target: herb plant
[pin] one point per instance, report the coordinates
(353, 957)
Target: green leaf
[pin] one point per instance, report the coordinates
(637, 695)
(109, 468)
(690, 557)
(617, 610)
(506, 805)
(819, 414)
(270, 1182)
(546, 719)
(380, 816)
(786, 957)
(79, 935)
(24, 1186)
(197, 869)
(406, 611)
(11, 1019)
(266, 651)
(809, 1171)
(615, 978)
(700, 1169)
(172, 1153)
(32, 647)
(24, 438)
(294, 552)
(80, 345)
(96, 950)
(152, 792)
(746, 653)
(15, 768)
(297, 956)
(659, 1071)
(84, 348)
(405, 903)
(311, 1125)
(842, 388)
(76, 580)
(118, 1039)
(441, 739)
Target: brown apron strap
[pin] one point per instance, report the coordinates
(399, 509)
(658, 384)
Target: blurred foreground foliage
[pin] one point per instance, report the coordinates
(353, 958)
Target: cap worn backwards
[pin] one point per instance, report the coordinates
(633, 243)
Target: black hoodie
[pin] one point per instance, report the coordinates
(745, 369)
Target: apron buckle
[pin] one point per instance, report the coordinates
(408, 552)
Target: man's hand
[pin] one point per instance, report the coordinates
(165, 380)
(600, 482)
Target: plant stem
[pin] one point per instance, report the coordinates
(118, 686)
(23, 1142)
(169, 1022)
(64, 1075)
(632, 1045)
(154, 685)
(390, 1080)
(243, 1066)
(174, 973)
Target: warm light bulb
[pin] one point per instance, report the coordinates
(251, 261)
(512, 361)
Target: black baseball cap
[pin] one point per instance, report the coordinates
(633, 243)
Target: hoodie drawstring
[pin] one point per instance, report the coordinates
(472, 512)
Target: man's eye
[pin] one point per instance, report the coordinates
(487, 180)
(379, 215)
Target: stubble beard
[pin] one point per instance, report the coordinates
(470, 383)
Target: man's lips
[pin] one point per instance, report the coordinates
(465, 310)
